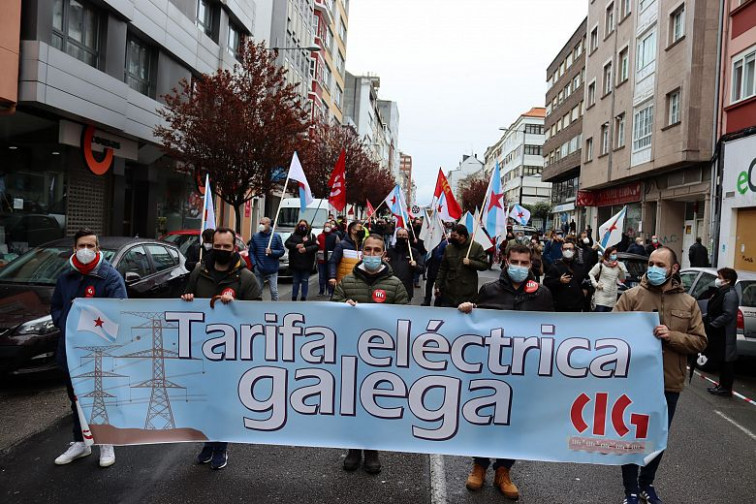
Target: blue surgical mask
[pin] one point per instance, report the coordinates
(517, 274)
(656, 275)
(372, 263)
(613, 257)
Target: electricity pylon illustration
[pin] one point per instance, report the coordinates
(99, 413)
(160, 402)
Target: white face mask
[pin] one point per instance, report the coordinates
(85, 256)
(261, 228)
(586, 241)
(719, 283)
(568, 254)
(208, 246)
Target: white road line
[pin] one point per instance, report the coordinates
(736, 424)
(437, 480)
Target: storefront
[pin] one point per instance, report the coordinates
(737, 239)
(602, 204)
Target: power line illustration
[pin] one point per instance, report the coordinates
(99, 414)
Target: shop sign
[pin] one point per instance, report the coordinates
(98, 147)
(739, 179)
(628, 193)
(102, 165)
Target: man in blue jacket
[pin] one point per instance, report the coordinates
(265, 259)
(91, 276)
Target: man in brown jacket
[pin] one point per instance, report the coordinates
(681, 331)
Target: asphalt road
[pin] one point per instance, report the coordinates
(710, 460)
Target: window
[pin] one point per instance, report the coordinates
(705, 282)
(608, 78)
(609, 20)
(594, 39)
(743, 76)
(624, 65)
(235, 40)
(532, 171)
(645, 3)
(140, 61)
(161, 258)
(134, 261)
(646, 50)
(342, 31)
(533, 150)
(76, 27)
(643, 124)
(576, 82)
(605, 139)
(535, 129)
(673, 107)
(589, 149)
(207, 18)
(677, 24)
(591, 93)
(625, 8)
(619, 131)
(575, 114)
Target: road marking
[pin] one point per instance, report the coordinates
(437, 480)
(736, 424)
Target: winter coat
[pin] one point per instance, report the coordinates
(103, 281)
(263, 263)
(606, 277)
(722, 318)
(302, 261)
(400, 263)
(501, 295)
(203, 284)
(586, 256)
(680, 313)
(637, 249)
(698, 255)
(568, 297)
(334, 264)
(192, 256)
(552, 252)
(434, 262)
(326, 243)
(359, 286)
(456, 282)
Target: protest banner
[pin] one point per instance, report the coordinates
(536, 386)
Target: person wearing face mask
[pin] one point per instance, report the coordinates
(302, 248)
(222, 275)
(585, 253)
(515, 290)
(653, 245)
(327, 241)
(604, 277)
(722, 329)
(371, 281)
(266, 258)
(90, 276)
(205, 243)
(457, 279)
(681, 331)
(637, 247)
(536, 259)
(552, 251)
(565, 280)
(346, 254)
(405, 267)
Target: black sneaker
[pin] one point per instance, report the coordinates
(631, 499)
(648, 494)
(220, 459)
(205, 455)
(719, 391)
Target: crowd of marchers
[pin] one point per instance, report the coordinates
(377, 261)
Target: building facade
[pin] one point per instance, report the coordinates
(79, 149)
(563, 131)
(470, 165)
(648, 123)
(329, 66)
(405, 170)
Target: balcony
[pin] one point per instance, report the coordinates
(325, 7)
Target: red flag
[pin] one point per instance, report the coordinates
(450, 205)
(370, 208)
(337, 183)
(351, 210)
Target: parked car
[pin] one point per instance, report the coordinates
(185, 238)
(28, 338)
(699, 283)
(636, 267)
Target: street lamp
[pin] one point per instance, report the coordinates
(522, 164)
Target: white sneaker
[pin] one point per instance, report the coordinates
(107, 455)
(75, 450)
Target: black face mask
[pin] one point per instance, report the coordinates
(222, 257)
(302, 229)
(401, 243)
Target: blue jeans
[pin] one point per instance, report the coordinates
(272, 279)
(323, 279)
(601, 308)
(300, 277)
(217, 446)
(630, 479)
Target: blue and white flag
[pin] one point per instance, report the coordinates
(611, 230)
(520, 214)
(208, 210)
(297, 173)
(495, 205)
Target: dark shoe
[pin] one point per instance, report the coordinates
(631, 499)
(648, 494)
(206, 455)
(352, 460)
(719, 391)
(220, 459)
(372, 463)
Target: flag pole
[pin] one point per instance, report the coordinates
(283, 193)
(204, 214)
(316, 213)
(475, 225)
(375, 210)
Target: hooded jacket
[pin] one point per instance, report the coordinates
(383, 287)
(680, 313)
(459, 283)
(501, 295)
(204, 283)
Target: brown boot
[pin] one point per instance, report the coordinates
(476, 478)
(503, 482)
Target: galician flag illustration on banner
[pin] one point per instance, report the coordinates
(520, 214)
(94, 321)
(494, 212)
(208, 210)
(611, 230)
(297, 173)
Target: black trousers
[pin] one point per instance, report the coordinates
(77, 436)
(727, 375)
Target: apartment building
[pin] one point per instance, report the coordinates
(648, 123)
(405, 168)
(563, 131)
(469, 165)
(329, 64)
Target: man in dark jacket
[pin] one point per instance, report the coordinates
(698, 255)
(404, 264)
(224, 276)
(517, 290)
(371, 281)
(327, 241)
(265, 258)
(637, 247)
(722, 329)
(91, 276)
(193, 256)
(302, 248)
(653, 245)
(457, 279)
(565, 280)
(434, 264)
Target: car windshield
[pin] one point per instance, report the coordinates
(748, 298)
(42, 265)
(290, 216)
(182, 241)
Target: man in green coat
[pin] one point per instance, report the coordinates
(457, 280)
(371, 281)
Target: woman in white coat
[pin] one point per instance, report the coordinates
(604, 277)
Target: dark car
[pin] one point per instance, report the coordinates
(28, 338)
(636, 267)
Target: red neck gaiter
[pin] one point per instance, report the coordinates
(85, 269)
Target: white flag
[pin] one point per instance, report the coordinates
(93, 320)
(297, 173)
(611, 230)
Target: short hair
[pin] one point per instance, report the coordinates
(698, 239)
(672, 254)
(224, 230)
(728, 274)
(374, 236)
(460, 229)
(265, 217)
(85, 232)
(519, 248)
(207, 235)
(351, 226)
(569, 239)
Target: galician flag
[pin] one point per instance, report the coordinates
(519, 214)
(611, 230)
(431, 233)
(494, 212)
(208, 211)
(94, 321)
(395, 203)
(297, 173)
(480, 234)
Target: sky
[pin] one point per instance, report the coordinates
(458, 69)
